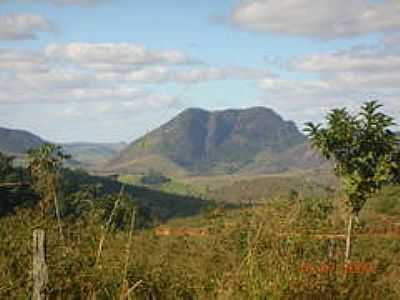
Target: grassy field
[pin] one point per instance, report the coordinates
(242, 257)
(175, 186)
(263, 251)
(241, 189)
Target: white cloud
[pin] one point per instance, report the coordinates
(156, 74)
(304, 101)
(71, 74)
(345, 78)
(200, 74)
(297, 96)
(103, 108)
(323, 19)
(114, 56)
(349, 61)
(29, 77)
(23, 26)
(392, 40)
(21, 61)
(193, 75)
(361, 69)
(185, 74)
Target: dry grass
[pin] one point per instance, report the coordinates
(244, 256)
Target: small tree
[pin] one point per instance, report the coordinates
(45, 164)
(364, 151)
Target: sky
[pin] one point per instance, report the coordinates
(113, 70)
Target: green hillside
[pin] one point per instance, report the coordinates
(277, 236)
(219, 142)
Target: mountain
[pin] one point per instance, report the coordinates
(18, 142)
(254, 140)
(92, 154)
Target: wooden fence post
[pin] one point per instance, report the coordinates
(331, 249)
(40, 274)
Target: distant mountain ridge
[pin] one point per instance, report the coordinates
(93, 153)
(253, 140)
(18, 142)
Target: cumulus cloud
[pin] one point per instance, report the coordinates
(345, 78)
(185, 75)
(303, 100)
(348, 61)
(120, 77)
(323, 19)
(135, 63)
(21, 61)
(311, 100)
(357, 68)
(114, 56)
(23, 26)
(222, 73)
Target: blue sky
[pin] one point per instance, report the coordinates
(102, 70)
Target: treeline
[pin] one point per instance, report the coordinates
(50, 188)
(15, 188)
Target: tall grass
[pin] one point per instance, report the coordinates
(247, 255)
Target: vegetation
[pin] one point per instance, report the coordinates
(45, 164)
(244, 257)
(154, 178)
(6, 167)
(365, 153)
(228, 237)
(13, 193)
(199, 142)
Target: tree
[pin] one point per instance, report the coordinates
(13, 190)
(365, 153)
(45, 164)
(6, 166)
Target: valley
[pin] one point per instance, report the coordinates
(235, 214)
